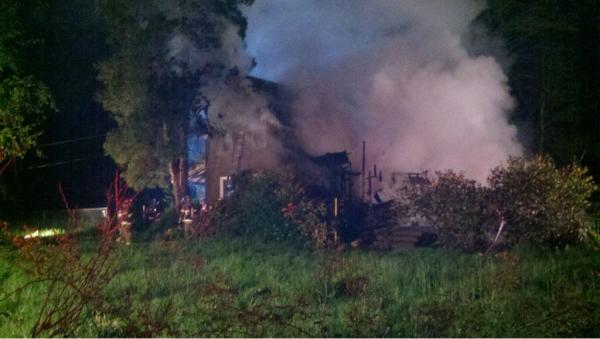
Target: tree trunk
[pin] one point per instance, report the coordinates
(174, 173)
(183, 171)
(178, 170)
(178, 173)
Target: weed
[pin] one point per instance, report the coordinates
(240, 287)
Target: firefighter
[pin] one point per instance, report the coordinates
(186, 216)
(203, 211)
(124, 221)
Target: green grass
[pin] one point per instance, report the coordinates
(244, 287)
(19, 311)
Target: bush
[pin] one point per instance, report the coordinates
(168, 222)
(310, 218)
(533, 201)
(273, 207)
(540, 203)
(456, 208)
(255, 208)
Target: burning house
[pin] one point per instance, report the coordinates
(414, 89)
(231, 148)
(267, 145)
(350, 195)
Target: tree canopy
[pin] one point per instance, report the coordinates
(555, 68)
(163, 53)
(24, 100)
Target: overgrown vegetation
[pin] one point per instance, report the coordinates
(238, 287)
(525, 201)
(541, 203)
(249, 278)
(273, 207)
(24, 99)
(456, 207)
(255, 208)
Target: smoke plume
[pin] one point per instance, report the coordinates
(397, 74)
(234, 102)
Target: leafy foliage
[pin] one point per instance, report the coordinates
(255, 208)
(307, 215)
(456, 207)
(68, 294)
(24, 100)
(310, 217)
(541, 203)
(273, 206)
(167, 221)
(525, 201)
(23, 105)
(164, 52)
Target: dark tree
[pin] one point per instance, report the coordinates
(163, 53)
(24, 99)
(555, 70)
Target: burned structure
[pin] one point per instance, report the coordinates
(353, 198)
(227, 152)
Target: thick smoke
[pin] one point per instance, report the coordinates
(234, 103)
(394, 73)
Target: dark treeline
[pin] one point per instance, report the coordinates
(553, 55)
(554, 74)
(70, 38)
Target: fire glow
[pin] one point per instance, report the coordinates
(45, 233)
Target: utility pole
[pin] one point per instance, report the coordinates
(364, 163)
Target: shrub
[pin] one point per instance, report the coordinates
(168, 221)
(532, 199)
(455, 207)
(274, 207)
(73, 285)
(255, 208)
(310, 218)
(540, 203)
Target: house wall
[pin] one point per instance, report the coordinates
(259, 148)
(219, 161)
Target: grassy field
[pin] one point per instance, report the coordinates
(244, 287)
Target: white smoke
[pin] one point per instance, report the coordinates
(394, 73)
(235, 105)
(234, 102)
(183, 51)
